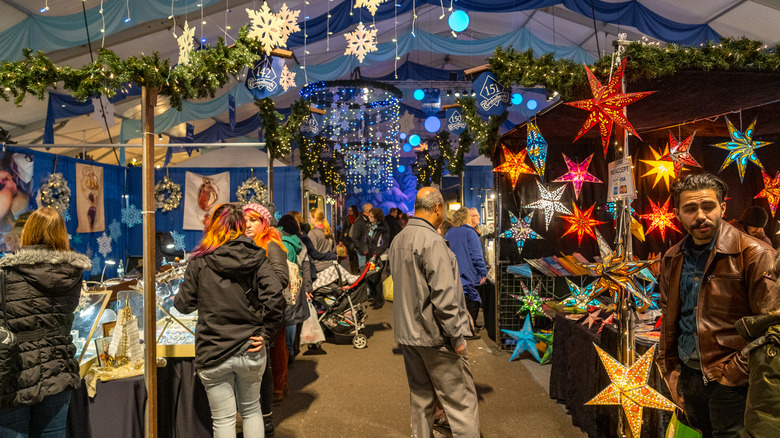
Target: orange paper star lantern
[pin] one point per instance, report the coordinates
(771, 191)
(606, 106)
(514, 165)
(661, 218)
(581, 222)
(630, 390)
(661, 166)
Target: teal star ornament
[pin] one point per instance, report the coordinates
(741, 148)
(520, 230)
(550, 202)
(537, 148)
(547, 338)
(580, 296)
(525, 340)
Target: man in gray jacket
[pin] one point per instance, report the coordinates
(431, 321)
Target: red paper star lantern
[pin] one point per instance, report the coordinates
(679, 152)
(581, 222)
(771, 191)
(606, 106)
(578, 174)
(515, 165)
(661, 218)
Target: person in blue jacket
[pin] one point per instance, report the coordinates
(464, 242)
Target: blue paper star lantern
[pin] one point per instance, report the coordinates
(520, 230)
(525, 340)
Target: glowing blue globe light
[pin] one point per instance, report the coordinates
(414, 140)
(432, 124)
(419, 94)
(407, 147)
(458, 21)
(401, 168)
(402, 136)
(517, 99)
(531, 104)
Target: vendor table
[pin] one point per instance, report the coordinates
(577, 375)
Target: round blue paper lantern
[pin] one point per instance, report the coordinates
(402, 136)
(419, 94)
(414, 140)
(407, 147)
(432, 124)
(517, 99)
(458, 21)
(531, 104)
(401, 168)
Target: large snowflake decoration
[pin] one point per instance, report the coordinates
(550, 202)
(115, 230)
(96, 269)
(661, 218)
(186, 43)
(578, 174)
(360, 42)
(520, 230)
(371, 5)
(771, 190)
(66, 216)
(132, 216)
(289, 20)
(287, 80)
(741, 148)
(178, 240)
(104, 244)
(267, 28)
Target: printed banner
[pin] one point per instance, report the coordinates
(89, 198)
(431, 103)
(312, 125)
(434, 149)
(190, 132)
(16, 176)
(492, 98)
(263, 80)
(455, 123)
(202, 194)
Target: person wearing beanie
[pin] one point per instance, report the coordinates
(752, 221)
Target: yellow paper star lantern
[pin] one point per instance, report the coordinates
(514, 165)
(661, 166)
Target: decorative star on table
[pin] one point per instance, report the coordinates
(614, 270)
(578, 174)
(580, 296)
(581, 222)
(629, 389)
(610, 320)
(679, 152)
(661, 218)
(520, 230)
(550, 202)
(530, 301)
(661, 166)
(771, 190)
(537, 148)
(606, 106)
(648, 296)
(741, 148)
(547, 338)
(592, 318)
(525, 340)
(514, 165)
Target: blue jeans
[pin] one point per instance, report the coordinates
(46, 419)
(361, 261)
(292, 330)
(236, 380)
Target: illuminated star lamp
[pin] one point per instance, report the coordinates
(530, 301)
(537, 147)
(679, 152)
(520, 230)
(606, 106)
(581, 222)
(550, 202)
(629, 389)
(525, 340)
(741, 148)
(661, 218)
(547, 339)
(661, 166)
(578, 174)
(514, 165)
(771, 190)
(579, 296)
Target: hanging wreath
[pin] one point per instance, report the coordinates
(258, 190)
(55, 193)
(167, 195)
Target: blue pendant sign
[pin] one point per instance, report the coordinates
(263, 80)
(326, 154)
(492, 97)
(431, 102)
(312, 125)
(434, 149)
(455, 123)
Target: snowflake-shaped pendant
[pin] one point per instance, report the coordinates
(289, 19)
(287, 80)
(131, 216)
(361, 42)
(186, 43)
(115, 230)
(178, 240)
(371, 5)
(104, 244)
(267, 28)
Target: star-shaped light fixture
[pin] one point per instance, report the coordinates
(520, 230)
(771, 190)
(661, 218)
(547, 338)
(578, 174)
(615, 270)
(609, 320)
(537, 147)
(581, 222)
(592, 318)
(680, 153)
(580, 296)
(629, 389)
(741, 148)
(606, 106)
(550, 202)
(661, 166)
(530, 301)
(514, 165)
(525, 340)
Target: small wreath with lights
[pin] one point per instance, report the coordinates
(55, 193)
(167, 195)
(258, 190)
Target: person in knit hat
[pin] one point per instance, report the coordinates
(753, 221)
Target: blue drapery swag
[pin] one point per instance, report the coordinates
(62, 106)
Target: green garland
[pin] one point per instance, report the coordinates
(431, 172)
(310, 149)
(332, 179)
(279, 136)
(485, 134)
(455, 159)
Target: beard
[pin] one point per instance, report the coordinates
(705, 230)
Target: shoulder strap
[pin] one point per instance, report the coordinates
(250, 292)
(2, 292)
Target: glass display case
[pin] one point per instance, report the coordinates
(87, 323)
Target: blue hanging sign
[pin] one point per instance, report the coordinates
(431, 102)
(190, 136)
(326, 154)
(434, 149)
(455, 123)
(492, 97)
(312, 125)
(263, 80)
(232, 111)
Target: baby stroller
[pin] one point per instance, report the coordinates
(340, 297)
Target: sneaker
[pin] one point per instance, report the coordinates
(268, 422)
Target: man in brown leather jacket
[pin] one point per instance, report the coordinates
(709, 280)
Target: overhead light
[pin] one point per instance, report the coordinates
(449, 93)
(159, 137)
(457, 93)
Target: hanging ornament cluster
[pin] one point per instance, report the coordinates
(550, 201)
(520, 230)
(272, 30)
(661, 218)
(371, 5)
(514, 165)
(581, 222)
(167, 195)
(741, 148)
(252, 191)
(361, 42)
(578, 174)
(536, 146)
(186, 43)
(55, 193)
(771, 191)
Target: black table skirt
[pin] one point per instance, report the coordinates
(577, 375)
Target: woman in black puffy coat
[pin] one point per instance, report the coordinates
(42, 287)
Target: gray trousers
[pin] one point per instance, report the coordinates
(440, 373)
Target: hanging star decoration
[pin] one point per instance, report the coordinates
(186, 43)
(579, 296)
(650, 297)
(581, 222)
(537, 148)
(771, 190)
(547, 339)
(525, 340)
(629, 389)
(592, 318)
(661, 166)
(520, 230)
(614, 270)
(266, 27)
(680, 153)
(661, 218)
(741, 148)
(610, 320)
(131, 216)
(550, 202)
(287, 78)
(371, 5)
(361, 42)
(606, 106)
(514, 165)
(104, 244)
(578, 174)
(530, 301)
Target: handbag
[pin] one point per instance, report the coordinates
(10, 359)
(678, 429)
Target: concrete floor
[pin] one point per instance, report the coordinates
(364, 393)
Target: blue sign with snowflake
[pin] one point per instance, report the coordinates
(131, 216)
(492, 97)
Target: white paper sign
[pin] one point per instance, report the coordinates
(621, 180)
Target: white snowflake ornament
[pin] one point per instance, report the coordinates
(186, 43)
(287, 80)
(266, 27)
(371, 5)
(104, 244)
(361, 42)
(289, 19)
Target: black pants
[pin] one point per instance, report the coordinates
(473, 308)
(716, 410)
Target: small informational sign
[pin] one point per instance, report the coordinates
(492, 97)
(621, 180)
(431, 102)
(455, 123)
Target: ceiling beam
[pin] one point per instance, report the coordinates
(727, 10)
(18, 7)
(602, 26)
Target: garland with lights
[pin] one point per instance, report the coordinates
(278, 136)
(485, 134)
(309, 92)
(455, 159)
(55, 193)
(309, 150)
(431, 172)
(332, 179)
(254, 186)
(167, 195)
